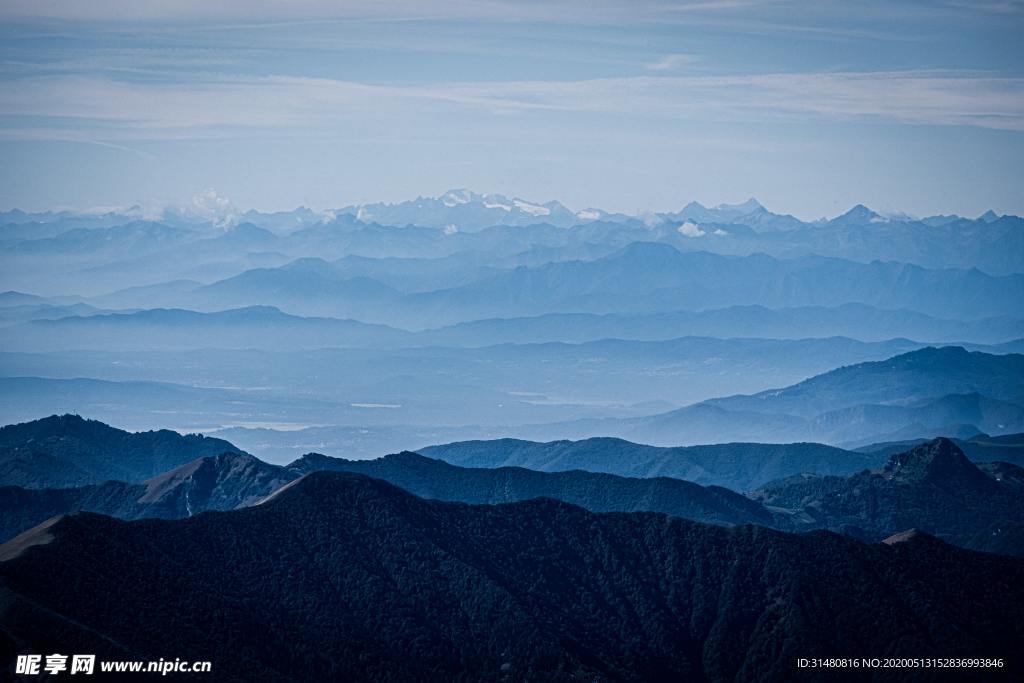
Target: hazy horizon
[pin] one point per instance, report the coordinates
(210, 199)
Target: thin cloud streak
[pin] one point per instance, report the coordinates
(244, 12)
(102, 108)
(672, 62)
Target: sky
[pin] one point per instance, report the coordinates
(627, 106)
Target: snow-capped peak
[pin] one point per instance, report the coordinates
(749, 206)
(589, 214)
(456, 197)
(531, 209)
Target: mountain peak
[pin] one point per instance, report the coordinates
(309, 462)
(939, 461)
(68, 450)
(989, 216)
(216, 482)
(749, 206)
(336, 490)
(458, 196)
(859, 214)
(68, 424)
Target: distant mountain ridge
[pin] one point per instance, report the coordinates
(857, 321)
(927, 392)
(651, 277)
(169, 329)
(990, 242)
(736, 466)
(475, 210)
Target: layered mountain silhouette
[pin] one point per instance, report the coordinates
(638, 276)
(649, 276)
(468, 316)
(575, 525)
(364, 581)
(232, 480)
(737, 466)
(933, 487)
(429, 478)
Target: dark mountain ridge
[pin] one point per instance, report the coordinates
(978, 447)
(67, 450)
(429, 478)
(933, 484)
(221, 482)
(365, 581)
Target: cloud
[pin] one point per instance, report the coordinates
(690, 230)
(211, 106)
(233, 12)
(168, 11)
(213, 208)
(991, 6)
(672, 62)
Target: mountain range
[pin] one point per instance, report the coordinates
(856, 321)
(933, 486)
(641, 277)
(461, 220)
(481, 437)
(737, 466)
(94, 255)
(44, 327)
(373, 329)
(233, 480)
(363, 580)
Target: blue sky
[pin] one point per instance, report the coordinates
(810, 107)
